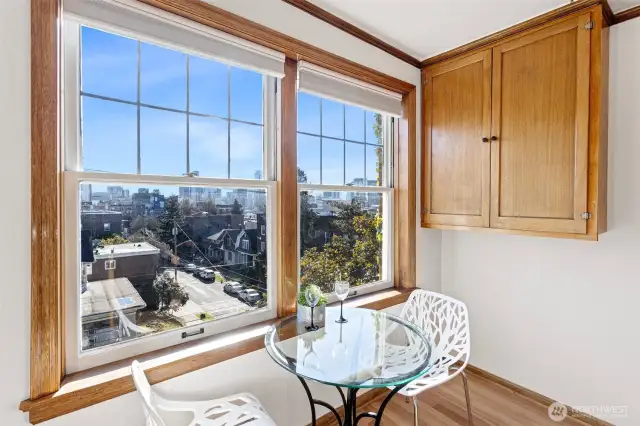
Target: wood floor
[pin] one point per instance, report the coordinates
(491, 404)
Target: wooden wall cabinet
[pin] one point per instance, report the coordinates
(515, 134)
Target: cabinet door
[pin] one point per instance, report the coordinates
(540, 123)
(456, 159)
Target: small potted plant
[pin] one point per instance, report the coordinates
(304, 309)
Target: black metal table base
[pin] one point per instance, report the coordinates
(351, 417)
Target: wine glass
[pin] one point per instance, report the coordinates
(313, 297)
(341, 289)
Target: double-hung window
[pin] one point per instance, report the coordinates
(169, 156)
(345, 149)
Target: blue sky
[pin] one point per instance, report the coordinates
(110, 69)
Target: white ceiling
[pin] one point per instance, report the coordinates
(424, 28)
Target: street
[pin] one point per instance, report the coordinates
(206, 297)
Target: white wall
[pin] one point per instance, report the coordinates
(282, 395)
(14, 210)
(557, 316)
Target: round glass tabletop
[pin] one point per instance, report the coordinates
(373, 349)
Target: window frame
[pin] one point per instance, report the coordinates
(47, 354)
(71, 140)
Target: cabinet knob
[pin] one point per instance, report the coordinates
(494, 138)
(485, 139)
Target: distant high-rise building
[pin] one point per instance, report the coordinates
(199, 193)
(115, 192)
(85, 192)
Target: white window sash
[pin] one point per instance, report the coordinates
(387, 265)
(388, 200)
(71, 130)
(137, 20)
(72, 155)
(78, 360)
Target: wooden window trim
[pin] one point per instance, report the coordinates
(47, 309)
(90, 387)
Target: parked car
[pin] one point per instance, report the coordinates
(249, 296)
(207, 274)
(190, 267)
(232, 288)
(199, 271)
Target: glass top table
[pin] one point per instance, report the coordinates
(372, 350)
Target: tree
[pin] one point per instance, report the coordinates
(307, 220)
(186, 207)
(237, 207)
(143, 222)
(307, 215)
(170, 217)
(137, 224)
(354, 250)
(302, 176)
(210, 207)
(113, 239)
(169, 295)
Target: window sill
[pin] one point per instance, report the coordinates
(86, 388)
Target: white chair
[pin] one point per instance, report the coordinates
(236, 410)
(445, 320)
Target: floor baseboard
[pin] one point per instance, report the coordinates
(534, 396)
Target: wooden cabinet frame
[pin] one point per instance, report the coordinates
(593, 121)
(47, 316)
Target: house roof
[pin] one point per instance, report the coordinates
(109, 296)
(124, 250)
(219, 237)
(252, 236)
(99, 212)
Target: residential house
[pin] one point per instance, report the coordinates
(101, 223)
(118, 278)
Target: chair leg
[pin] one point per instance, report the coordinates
(467, 397)
(415, 411)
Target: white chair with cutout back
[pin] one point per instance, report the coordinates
(445, 320)
(240, 409)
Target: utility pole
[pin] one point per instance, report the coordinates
(175, 250)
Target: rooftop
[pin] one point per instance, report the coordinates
(99, 212)
(109, 296)
(123, 250)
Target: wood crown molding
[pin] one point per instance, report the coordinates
(99, 384)
(222, 20)
(625, 15)
(351, 29)
(530, 24)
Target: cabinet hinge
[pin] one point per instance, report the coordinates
(589, 25)
(585, 215)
